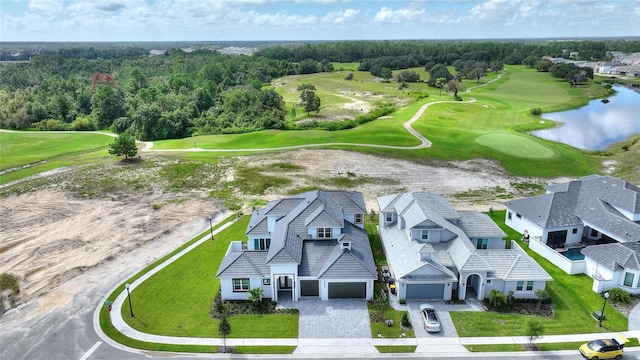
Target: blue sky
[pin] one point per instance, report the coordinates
(217, 20)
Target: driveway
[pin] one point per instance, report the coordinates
(332, 318)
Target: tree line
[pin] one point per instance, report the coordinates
(181, 93)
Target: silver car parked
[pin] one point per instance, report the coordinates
(431, 321)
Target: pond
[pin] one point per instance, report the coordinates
(597, 125)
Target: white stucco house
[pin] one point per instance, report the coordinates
(595, 216)
(308, 245)
(436, 252)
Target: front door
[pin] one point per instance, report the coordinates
(285, 283)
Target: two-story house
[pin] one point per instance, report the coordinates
(435, 251)
(308, 245)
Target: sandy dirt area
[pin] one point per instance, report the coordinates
(49, 236)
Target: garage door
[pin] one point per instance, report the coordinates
(309, 288)
(350, 290)
(425, 291)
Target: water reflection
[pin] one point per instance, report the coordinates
(597, 125)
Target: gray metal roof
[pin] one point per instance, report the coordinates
(615, 256)
(478, 225)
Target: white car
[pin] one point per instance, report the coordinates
(431, 321)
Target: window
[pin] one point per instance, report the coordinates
(488, 281)
(574, 231)
(509, 215)
(424, 234)
(388, 217)
(518, 216)
(240, 285)
(345, 244)
(519, 285)
(357, 218)
(594, 233)
(482, 243)
(628, 279)
(262, 244)
(324, 233)
(529, 285)
(266, 281)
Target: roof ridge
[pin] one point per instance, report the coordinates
(513, 265)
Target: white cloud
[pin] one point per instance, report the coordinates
(388, 15)
(341, 16)
(49, 6)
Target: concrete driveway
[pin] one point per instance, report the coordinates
(447, 328)
(332, 318)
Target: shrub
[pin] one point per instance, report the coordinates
(536, 111)
(457, 98)
(82, 124)
(10, 281)
(405, 320)
(620, 296)
(403, 301)
(51, 125)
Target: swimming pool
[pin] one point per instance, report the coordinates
(573, 254)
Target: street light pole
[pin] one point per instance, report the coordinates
(210, 227)
(129, 297)
(606, 296)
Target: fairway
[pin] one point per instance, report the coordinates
(30, 147)
(516, 145)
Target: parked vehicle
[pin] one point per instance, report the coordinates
(603, 349)
(392, 286)
(431, 321)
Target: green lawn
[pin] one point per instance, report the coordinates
(573, 302)
(176, 300)
(43, 151)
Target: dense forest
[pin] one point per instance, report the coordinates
(184, 93)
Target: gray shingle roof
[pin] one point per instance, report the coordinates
(245, 264)
(593, 200)
(615, 256)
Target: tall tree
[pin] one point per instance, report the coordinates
(310, 101)
(107, 104)
(124, 145)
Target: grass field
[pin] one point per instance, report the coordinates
(491, 128)
(29, 153)
(494, 127)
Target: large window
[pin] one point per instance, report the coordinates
(388, 217)
(240, 285)
(324, 233)
(509, 215)
(482, 243)
(519, 285)
(424, 234)
(262, 244)
(357, 219)
(529, 285)
(628, 279)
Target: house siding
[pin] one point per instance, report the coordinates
(227, 293)
(522, 224)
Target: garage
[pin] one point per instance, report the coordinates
(309, 288)
(425, 291)
(348, 290)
